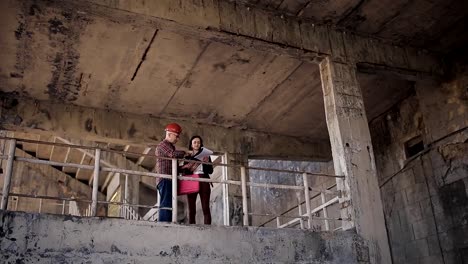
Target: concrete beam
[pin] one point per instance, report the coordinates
(70, 121)
(353, 157)
(252, 27)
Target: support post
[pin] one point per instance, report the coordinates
(63, 207)
(174, 191)
(325, 212)
(353, 157)
(126, 207)
(299, 208)
(40, 205)
(245, 209)
(158, 203)
(225, 188)
(8, 174)
(97, 160)
(236, 204)
(307, 199)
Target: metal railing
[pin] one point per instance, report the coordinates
(127, 209)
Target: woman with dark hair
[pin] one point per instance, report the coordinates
(203, 170)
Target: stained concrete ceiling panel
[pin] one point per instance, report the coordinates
(58, 154)
(381, 92)
(307, 117)
(83, 174)
(43, 152)
(38, 46)
(51, 51)
(419, 23)
(10, 32)
(329, 11)
(74, 156)
(260, 84)
(372, 16)
(407, 23)
(293, 6)
(168, 62)
(216, 89)
(300, 83)
(109, 54)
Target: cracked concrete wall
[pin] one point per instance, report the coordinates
(425, 197)
(34, 238)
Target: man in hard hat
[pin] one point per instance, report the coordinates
(167, 149)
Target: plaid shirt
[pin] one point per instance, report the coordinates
(164, 166)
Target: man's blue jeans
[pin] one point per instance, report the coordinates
(165, 191)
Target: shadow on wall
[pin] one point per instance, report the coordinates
(425, 195)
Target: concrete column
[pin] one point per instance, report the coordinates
(353, 157)
(235, 191)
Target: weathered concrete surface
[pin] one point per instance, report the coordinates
(98, 56)
(353, 156)
(417, 23)
(426, 198)
(110, 126)
(295, 32)
(32, 238)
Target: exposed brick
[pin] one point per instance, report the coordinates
(418, 173)
(424, 228)
(437, 204)
(417, 193)
(446, 241)
(411, 213)
(444, 222)
(431, 260)
(416, 249)
(426, 208)
(434, 246)
(398, 254)
(452, 257)
(403, 180)
(400, 200)
(401, 234)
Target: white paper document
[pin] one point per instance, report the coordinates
(202, 153)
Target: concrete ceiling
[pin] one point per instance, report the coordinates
(433, 24)
(53, 52)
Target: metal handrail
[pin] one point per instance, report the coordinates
(174, 177)
(160, 157)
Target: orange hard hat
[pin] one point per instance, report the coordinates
(174, 128)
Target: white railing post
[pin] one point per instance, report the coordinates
(307, 199)
(174, 191)
(125, 206)
(325, 213)
(158, 203)
(8, 174)
(63, 207)
(97, 160)
(278, 222)
(244, 196)
(40, 205)
(299, 208)
(225, 188)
